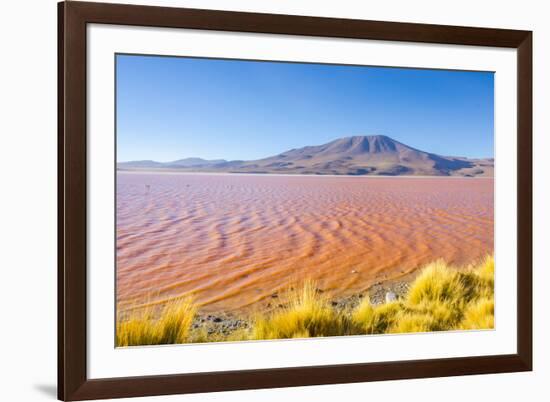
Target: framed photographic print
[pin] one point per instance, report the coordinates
(253, 200)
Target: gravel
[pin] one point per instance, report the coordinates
(226, 323)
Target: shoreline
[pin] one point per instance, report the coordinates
(441, 298)
(179, 172)
(223, 324)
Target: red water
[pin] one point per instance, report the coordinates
(231, 241)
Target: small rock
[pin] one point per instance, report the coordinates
(390, 297)
(353, 271)
(274, 295)
(217, 319)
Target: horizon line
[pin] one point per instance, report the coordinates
(303, 146)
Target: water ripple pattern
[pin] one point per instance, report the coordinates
(232, 241)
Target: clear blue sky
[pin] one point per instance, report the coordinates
(170, 108)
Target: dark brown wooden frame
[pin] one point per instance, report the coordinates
(73, 383)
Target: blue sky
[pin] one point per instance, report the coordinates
(171, 108)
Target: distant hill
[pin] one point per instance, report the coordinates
(357, 155)
(181, 163)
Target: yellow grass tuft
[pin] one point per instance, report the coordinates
(479, 315)
(437, 284)
(307, 314)
(485, 274)
(375, 320)
(170, 325)
(412, 322)
(441, 298)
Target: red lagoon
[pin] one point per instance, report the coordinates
(232, 241)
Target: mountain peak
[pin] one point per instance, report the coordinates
(352, 155)
(368, 137)
(363, 144)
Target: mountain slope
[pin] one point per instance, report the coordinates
(357, 155)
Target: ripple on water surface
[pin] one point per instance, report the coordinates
(234, 240)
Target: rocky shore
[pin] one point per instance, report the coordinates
(223, 324)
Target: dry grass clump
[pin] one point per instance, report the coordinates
(413, 322)
(171, 324)
(485, 275)
(375, 319)
(480, 314)
(308, 314)
(201, 335)
(441, 298)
